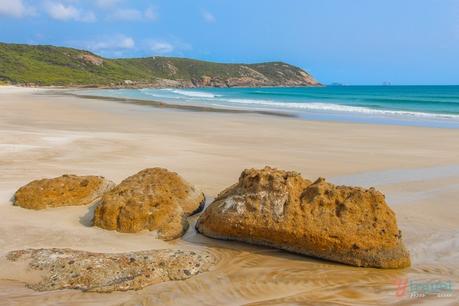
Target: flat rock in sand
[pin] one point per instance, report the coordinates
(102, 272)
(281, 209)
(66, 190)
(154, 199)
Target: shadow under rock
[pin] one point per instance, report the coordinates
(13, 199)
(87, 219)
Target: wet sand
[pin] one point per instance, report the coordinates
(43, 135)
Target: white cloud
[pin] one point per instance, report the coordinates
(15, 8)
(151, 13)
(157, 46)
(63, 12)
(114, 43)
(208, 16)
(161, 47)
(126, 43)
(107, 3)
(128, 14)
(88, 16)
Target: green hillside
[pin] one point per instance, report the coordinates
(49, 65)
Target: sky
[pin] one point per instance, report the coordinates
(355, 42)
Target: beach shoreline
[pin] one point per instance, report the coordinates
(425, 106)
(160, 104)
(49, 134)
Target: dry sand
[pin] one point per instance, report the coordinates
(43, 135)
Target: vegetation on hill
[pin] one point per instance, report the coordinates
(49, 65)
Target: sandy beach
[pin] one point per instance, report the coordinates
(47, 135)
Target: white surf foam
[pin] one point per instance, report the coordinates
(340, 108)
(194, 94)
(222, 101)
(178, 93)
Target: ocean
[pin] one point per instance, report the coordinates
(433, 106)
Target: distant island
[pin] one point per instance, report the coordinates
(40, 65)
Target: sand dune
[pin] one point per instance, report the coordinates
(44, 135)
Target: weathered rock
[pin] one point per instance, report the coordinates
(101, 272)
(154, 199)
(280, 209)
(66, 190)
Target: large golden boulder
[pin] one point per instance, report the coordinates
(281, 209)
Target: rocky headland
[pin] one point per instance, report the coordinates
(59, 66)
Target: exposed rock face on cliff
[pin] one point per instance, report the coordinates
(280, 209)
(154, 199)
(102, 272)
(66, 190)
(258, 75)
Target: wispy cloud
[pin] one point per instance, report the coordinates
(128, 14)
(161, 47)
(107, 3)
(16, 8)
(164, 46)
(67, 12)
(208, 16)
(116, 45)
(77, 10)
(122, 45)
(117, 42)
(151, 13)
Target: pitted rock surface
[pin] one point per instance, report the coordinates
(104, 272)
(66, 190)
(277, 208)
(154, 199)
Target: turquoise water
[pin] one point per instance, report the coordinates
(436, 106)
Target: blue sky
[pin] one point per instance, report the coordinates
(348, 41)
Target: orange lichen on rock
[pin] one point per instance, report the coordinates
(66, 190)
(154, 199)
(281, 209)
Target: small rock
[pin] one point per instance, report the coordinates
(66, 190)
